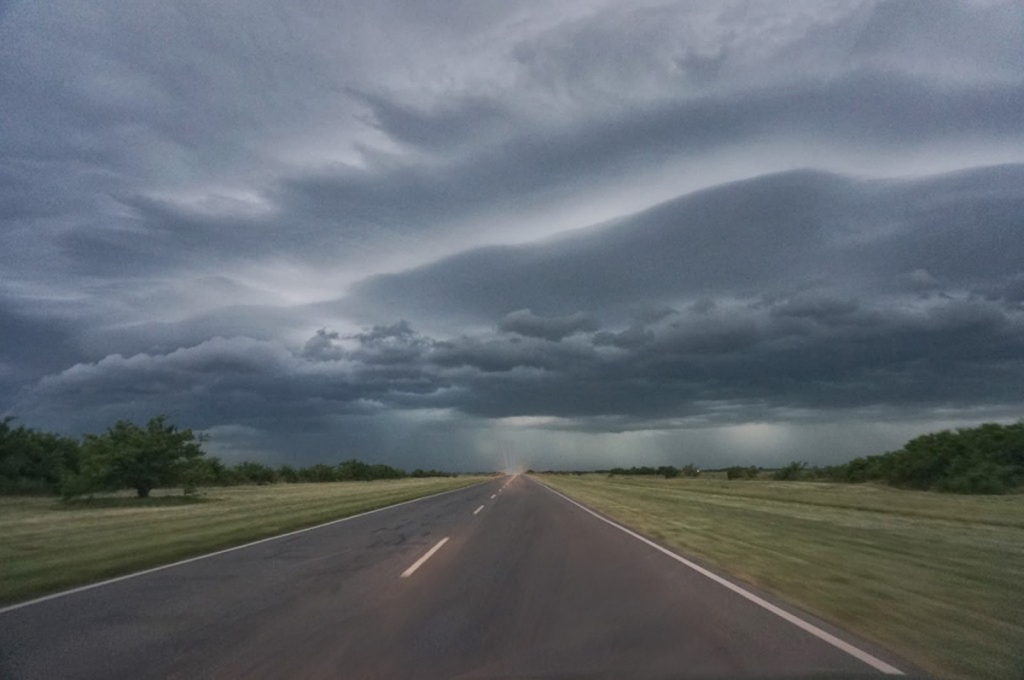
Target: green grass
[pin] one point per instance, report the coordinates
(47, 545)
(937, 578)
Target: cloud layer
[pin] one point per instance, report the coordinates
(599, 231)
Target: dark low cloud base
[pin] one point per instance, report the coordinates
(767, 236)
(821, 330)
(415, 234)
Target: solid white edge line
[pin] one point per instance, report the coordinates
(855, 652)
(90, 586)
(478, 509)
(419, 563)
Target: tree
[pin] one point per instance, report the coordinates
(127, 456)
(212, 471)
(381, 471)
(286, 473)
(255, 473)
(690, 470)
(740, 472)
(354, 470)
(984, 459)
(318, 473)
(32, 461)
(792, 472)
(419, 473)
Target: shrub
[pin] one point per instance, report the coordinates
(127, 456)
(984, 459)
(318, 473)
(740, 472)
(286, 473)
(33, 461)
(793, 472)
(255, 473)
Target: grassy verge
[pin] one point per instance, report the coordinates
(937, 578)
(48, 545)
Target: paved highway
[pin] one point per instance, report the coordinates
(501, 580)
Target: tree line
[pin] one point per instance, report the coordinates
(988, 459)
(985, 459)
(666, 471)
(143, 458)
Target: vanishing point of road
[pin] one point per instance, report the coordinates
(504, 579)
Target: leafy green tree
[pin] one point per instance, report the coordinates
(213, 471)
(354, 470)
(669, 471)
(381, 471)
(420, 473)
(689, 470)
(33, 461)
(127, 456)
(984, 459)
(319, 473)
(255, 473)
(286, 473)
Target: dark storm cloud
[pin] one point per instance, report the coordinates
(767, 235)
(24, 333)
(755, 356)
(237, 380)
(525, 322)
(757, 324)
(1009, 291)
(154, 236)
(502, 355)
(882, 110)
(159, 337)
(488, 151)
(187, 194)
(31, 347)
(821, 309)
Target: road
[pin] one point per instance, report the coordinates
(500, 580)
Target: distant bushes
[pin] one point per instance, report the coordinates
(984, 459)
(34, 462)
(740, 472)
(666, 471)
(249, 472)
(420, 474)
(791, 473)
(988, 459)
(156, 455)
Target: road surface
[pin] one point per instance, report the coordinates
(501, 580)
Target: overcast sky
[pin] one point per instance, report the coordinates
(589, 233)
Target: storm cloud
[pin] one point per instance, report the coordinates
(602, 232)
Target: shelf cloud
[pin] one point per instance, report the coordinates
(604, 233)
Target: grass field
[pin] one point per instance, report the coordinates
(938, 578)
(47, 545)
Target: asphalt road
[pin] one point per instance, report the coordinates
(530, 585)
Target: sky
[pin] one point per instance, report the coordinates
(574, 235)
